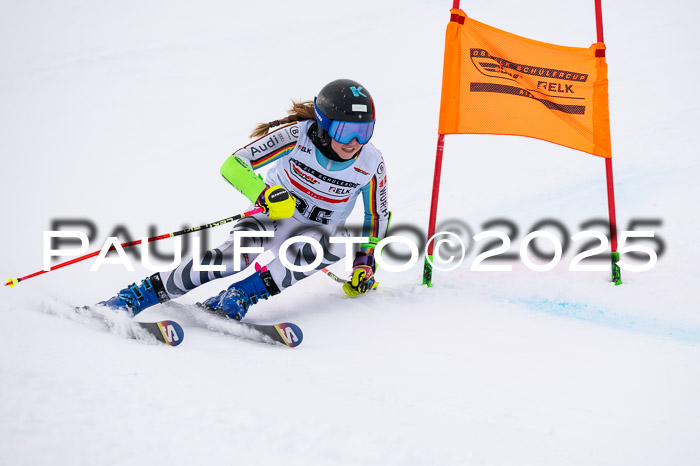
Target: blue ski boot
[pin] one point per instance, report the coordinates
(135, 298)
(235, 301)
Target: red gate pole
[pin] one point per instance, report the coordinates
(615, 256)
(428, 267)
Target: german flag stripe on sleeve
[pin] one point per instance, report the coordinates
(281, 152)
(374, 223)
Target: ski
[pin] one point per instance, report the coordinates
(165, 331)
(285, 333)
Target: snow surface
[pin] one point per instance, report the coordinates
(122, 112)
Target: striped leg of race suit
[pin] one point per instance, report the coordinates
(184, 278)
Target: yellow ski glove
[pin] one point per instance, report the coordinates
(277, 202)
(362, 279)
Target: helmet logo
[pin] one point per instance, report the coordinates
(357, 91)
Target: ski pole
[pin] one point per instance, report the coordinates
(333, 276)
(11, 282)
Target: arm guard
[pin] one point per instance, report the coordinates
(239, 174)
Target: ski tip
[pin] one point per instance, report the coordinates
(171, 331)
(290, 334)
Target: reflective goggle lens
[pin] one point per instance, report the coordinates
(344, 132)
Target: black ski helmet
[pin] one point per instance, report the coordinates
(346, 100)
(344, 111)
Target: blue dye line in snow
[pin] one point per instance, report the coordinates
(602, 316)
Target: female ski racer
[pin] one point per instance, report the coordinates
(322, 162)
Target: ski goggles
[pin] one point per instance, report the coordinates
(345, 131)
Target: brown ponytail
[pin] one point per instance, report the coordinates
(298, 112)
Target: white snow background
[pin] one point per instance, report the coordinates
(122, 113)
